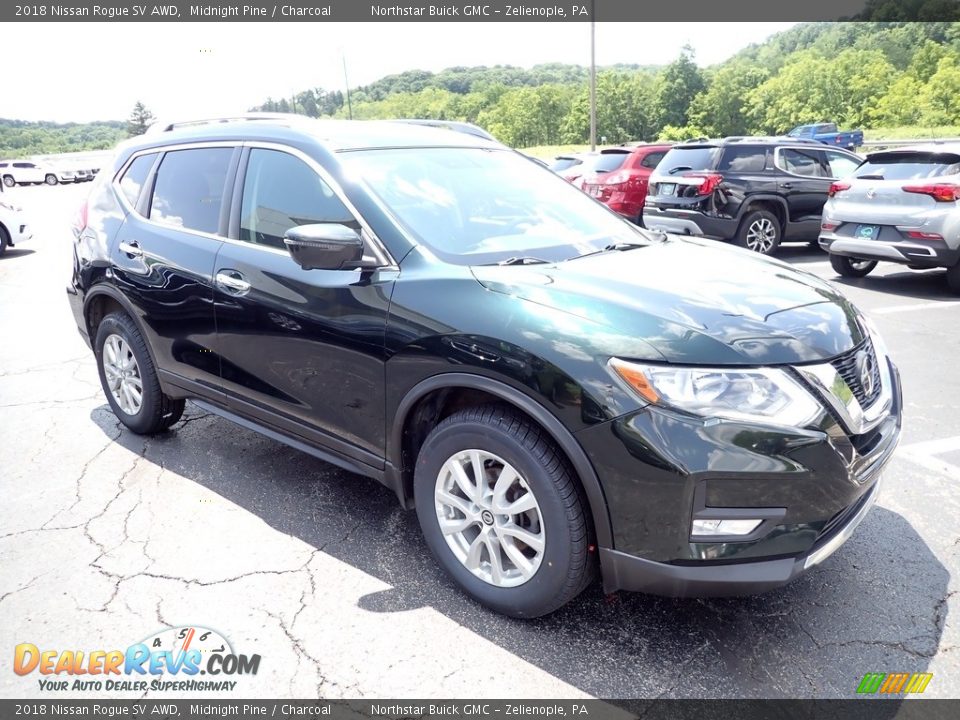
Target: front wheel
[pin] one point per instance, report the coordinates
(851, 267)
(760, 232)
(8, 181)
(129, 378)
(502, 512)
(50, 179)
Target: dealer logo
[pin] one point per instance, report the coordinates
(172, 659)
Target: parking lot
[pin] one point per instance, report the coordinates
(107, 537)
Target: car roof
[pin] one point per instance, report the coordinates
(336, 135)
(931, 147)
(751, 140)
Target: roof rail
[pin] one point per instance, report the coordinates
(168, 126)
(455, 125)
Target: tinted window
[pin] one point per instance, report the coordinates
(605, 162)
(802, 162)
(679, 159)
(281, 192)
(562, 163)
(651, 160)
(24, 165)
(743, 159)
(841, 165)
(135, 176)
(910, 165)
(189, 188)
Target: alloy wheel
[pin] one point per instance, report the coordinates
(761, 235)
(490, 518)
(123, 374)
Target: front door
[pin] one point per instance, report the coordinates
(300, 350)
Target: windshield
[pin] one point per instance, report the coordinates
(475, 206)
(680, 159)
(909, 165)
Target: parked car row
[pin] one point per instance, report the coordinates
(28, 172)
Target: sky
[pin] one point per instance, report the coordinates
(208, 69)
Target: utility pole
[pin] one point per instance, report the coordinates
(593, 76)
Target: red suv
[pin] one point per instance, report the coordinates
(618, 177)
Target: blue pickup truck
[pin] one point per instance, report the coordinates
(828, 134)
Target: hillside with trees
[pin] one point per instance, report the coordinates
(862, 74)
(19, 138)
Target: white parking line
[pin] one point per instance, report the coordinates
(916, 306)
(924, 454)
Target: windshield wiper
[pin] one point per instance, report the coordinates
(615, 247)
(523, 260)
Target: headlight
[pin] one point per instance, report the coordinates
(761, 395)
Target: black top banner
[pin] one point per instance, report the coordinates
(479, 11)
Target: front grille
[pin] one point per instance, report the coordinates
(850, 366)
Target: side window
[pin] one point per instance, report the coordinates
(802, 162)
(25, 166)
(281, 191)
(742, 159)
(653, 159)
(136, 175)
(189, 188)
(841, 165)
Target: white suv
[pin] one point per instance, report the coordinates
(21, 172)
(13, 225)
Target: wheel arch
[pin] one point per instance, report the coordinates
(437, 386)
(100, 300)
(773, 203)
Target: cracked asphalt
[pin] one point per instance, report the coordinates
(107, 538)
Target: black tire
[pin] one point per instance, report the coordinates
(953, 278)
(157, 411)
(851, 267)
(567, 565)
(8, 181)
(4, 239)
(760, 232)
(51, 179)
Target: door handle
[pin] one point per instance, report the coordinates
(131, 248)
(232, 282)
(786, 186)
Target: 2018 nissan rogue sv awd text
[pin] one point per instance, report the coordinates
(555, 390)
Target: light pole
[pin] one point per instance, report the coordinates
(347, 83)
(593, 76)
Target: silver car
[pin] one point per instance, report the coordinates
(899, 206)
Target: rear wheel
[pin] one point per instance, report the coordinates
(50, 179)
(9, 181)
(129, 378)
(851, 267)
(760, 232)
(502, 512)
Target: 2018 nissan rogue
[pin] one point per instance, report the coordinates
(555, 390)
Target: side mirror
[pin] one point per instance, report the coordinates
(325, 246)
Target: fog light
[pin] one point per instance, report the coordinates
(709, 528)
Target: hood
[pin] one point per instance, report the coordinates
(692, 301)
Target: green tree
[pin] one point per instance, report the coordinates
(940, 98)
(719, 110)
(140, 119)
(680, 82)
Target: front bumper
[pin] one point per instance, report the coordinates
(627, 572)
(660, 470)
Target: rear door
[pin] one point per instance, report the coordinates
(301, 350)
(803, 184)
(164, 255)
